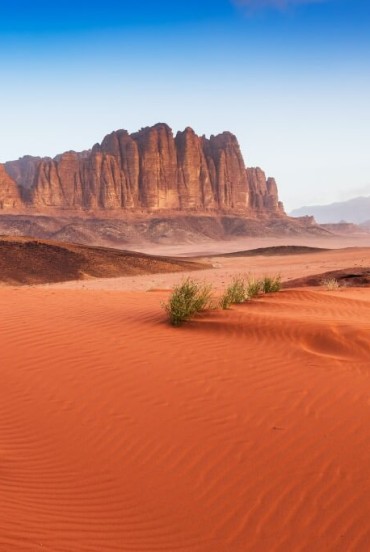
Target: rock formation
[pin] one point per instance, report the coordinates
(10, 197)
(145, 172)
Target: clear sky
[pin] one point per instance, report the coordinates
(291, 78)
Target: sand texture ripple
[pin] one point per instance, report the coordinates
(245, 430)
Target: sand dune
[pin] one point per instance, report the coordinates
(355, 276)
(30, 261)
(246, 430)
(275, 251)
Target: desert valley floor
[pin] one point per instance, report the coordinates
(244, 430)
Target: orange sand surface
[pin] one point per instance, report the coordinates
(245, 430)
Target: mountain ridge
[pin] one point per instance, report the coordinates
(147, 171)
(355, 210)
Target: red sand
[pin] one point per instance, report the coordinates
(246, 430)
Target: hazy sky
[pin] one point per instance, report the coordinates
(291, 78)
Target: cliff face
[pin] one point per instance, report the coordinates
(148, 171)
(10, 197)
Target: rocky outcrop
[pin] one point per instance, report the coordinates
(10, 197)
(148, 171)
(263, 193)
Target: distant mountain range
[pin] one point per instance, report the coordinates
(355, 210)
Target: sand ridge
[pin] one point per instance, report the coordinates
(244, 430)
(30, 261)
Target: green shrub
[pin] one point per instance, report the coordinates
(191, 297)
(225, 300)
(187, 299)
(271, 284)
(254, 288)
(235, 293)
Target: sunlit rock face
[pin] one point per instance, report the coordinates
(148, 171)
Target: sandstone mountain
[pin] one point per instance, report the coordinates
(149, 186)
(149, 171)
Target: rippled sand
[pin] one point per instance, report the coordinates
(245, 430)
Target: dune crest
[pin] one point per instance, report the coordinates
(30, 261)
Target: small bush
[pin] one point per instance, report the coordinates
(254, 288)
(235, 293)
(187, 299)
(225, 300)
(331, 284)
(271, 284)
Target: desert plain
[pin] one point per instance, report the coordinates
(243, 430)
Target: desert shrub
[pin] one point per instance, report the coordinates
(236, 292)
(271, 284)
(254, 288)
(187, 299)
(191, 297)
(225, 300)
(331, 284)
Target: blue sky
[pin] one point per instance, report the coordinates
(291, 78)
